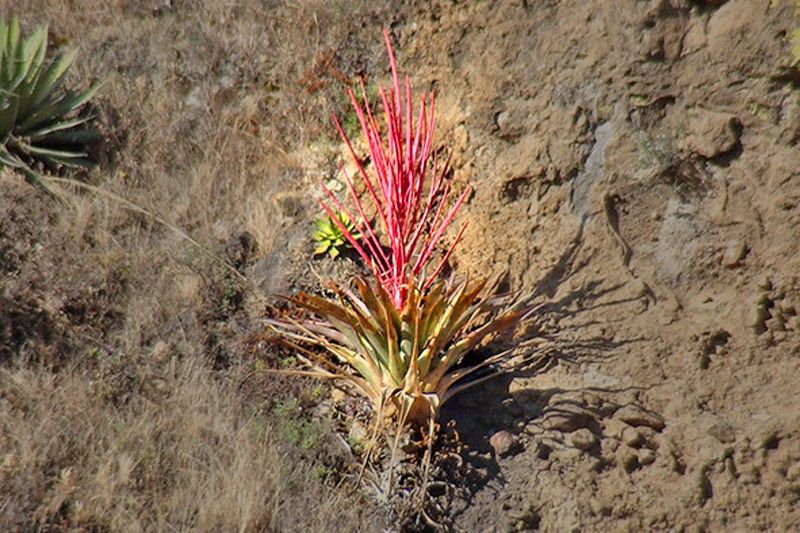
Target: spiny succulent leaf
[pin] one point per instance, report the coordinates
(53, 76)
(8, 115)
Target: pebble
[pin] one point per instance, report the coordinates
(646, 456)
(711, 133)
(628, 458)
(583, 439)
(636, 416)
(735, 251)
(564, 420)
(631, 437)
(614, 428)
(504, 443)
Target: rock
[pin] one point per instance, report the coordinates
(735, 250)
(711, 133)
(631, 437)
(636, 416)
(337, 395)
(628, 458)
(695, 38)
(504, 443)
(764, 283)
(646, 456)
(757, 317)
(614, 428)
(583, 439)
(565, 420)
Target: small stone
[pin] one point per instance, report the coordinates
(636, 416)
(711, 133)
(764, 283)
(757, 317)
(776, 323)
(735, 251)
(646, 456)
(337, 395)
(614, 428)
(628, 458)
(583, 439)
(631, 437)
(504, 443)
(565, 420)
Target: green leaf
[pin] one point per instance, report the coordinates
(3, 38)
(321, 248)
(12, 43)
(51, 153)
(8, 115)
(333, 252)
(9, 159)
(53, 76)
(70, 102)
(81, 136)
(45, 131)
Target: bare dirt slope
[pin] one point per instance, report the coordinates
(637, 172)
(637, 176)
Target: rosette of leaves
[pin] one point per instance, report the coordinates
(329, 237)
(40, 124)
(407, 361)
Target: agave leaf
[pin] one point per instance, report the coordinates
(80, 136)
(46, 131)
(52, 77)
(12, 43)
(27, 54)
(51, 153)
(57, 162)
(396, 366)
(464, 345)
(3, 38)
(37, 59)
(9, 159)
(322, 247)
(324, 308)
(8, 115)
(57, 108)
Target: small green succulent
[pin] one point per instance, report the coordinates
(39, 124)
(329, 237)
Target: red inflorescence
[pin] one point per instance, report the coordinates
(412, 218)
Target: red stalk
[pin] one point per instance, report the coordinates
(413, 221)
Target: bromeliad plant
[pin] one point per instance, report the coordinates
(39, 123)
(402, 337)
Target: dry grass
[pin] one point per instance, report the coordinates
(114, 413)
(184, 456)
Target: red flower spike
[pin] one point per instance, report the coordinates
(412, 219)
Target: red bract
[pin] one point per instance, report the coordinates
(413, 217)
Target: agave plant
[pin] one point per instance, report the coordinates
(329, 237)
(39, 123)
(409, 359)
(401, 338)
